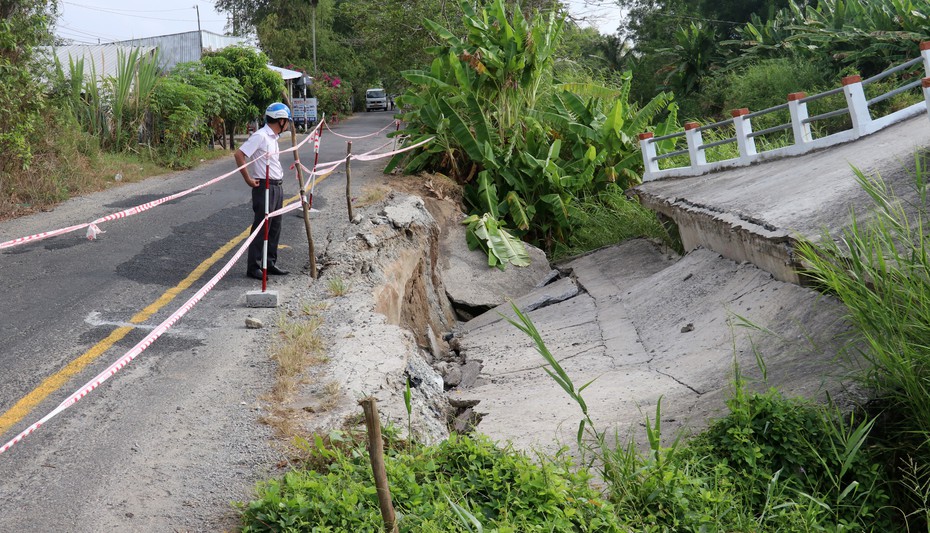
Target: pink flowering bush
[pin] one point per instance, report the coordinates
(332, 81)
(334, 96)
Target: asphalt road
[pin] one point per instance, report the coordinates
(170, 440)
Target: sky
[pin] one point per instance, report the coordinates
(602, 14)
(90, 21)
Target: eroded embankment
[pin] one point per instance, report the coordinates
(641, 322)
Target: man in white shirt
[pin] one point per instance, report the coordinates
(261, 149)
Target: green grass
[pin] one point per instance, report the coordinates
(337, 287)
(880, 269)
(68, 162)
(432, 487)
(609, 218)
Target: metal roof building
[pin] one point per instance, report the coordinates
(182, 47)
(101, 59)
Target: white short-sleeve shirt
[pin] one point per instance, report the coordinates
(262, 150)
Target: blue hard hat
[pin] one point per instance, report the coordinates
(278, 110)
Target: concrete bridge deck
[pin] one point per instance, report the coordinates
(757, 213)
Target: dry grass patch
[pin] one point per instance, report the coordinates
(337, 286)
(298, 345)
(68, 163)
(332, 392)
(371, 195)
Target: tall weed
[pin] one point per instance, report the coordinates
(880, 269)
(610, 217)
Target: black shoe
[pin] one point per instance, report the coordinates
(275, 271)
(254, 273)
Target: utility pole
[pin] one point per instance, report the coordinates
(314, 4)
(199, 33)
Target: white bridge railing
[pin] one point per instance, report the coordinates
(857, 107)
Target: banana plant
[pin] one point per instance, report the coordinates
(524, 145)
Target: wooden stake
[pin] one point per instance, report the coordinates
(376, 454)
(349, 179)
(303, 195)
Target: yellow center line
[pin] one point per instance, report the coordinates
(54, 382)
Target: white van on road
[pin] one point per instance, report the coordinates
(375, 99)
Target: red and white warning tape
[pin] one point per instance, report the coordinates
(149, 339)
(93, 230)
(43, 235)
(159, 330)
(394, 123)
(370, 156)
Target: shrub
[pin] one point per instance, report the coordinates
(334, 96)
(879, 270)
(813, 451)
(610, 217)
(179, 118)
(525, 146)
(502, 488)
(763, 85)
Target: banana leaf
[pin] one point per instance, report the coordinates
(462, 134)
(518, 211)
(487, 194)
(508, 248)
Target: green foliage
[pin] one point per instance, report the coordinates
(485, 232)
(225, 97)
(534, 145)
(112, 108)
(504, 490)
(262, 85)
(692, 58)
(178, 109)
(383, 58)
(878, 268)
(764, 84)
(334, 96)
(814, 451)
(609, 218)
(23, 26)
(869, 35)
(285, 31)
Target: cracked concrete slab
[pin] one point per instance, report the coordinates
(647, 327)
(552, 293)
(471, 284)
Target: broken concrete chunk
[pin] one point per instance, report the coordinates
(462, 403)
(452, 376)
(408, 211)
(253, 323)
(560, 291)
(473, 285)
(470, 371)
(548, 279)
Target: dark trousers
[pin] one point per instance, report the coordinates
(276, 200)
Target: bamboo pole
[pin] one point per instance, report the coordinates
(303, 195)
(349, 179)
(376, 454)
